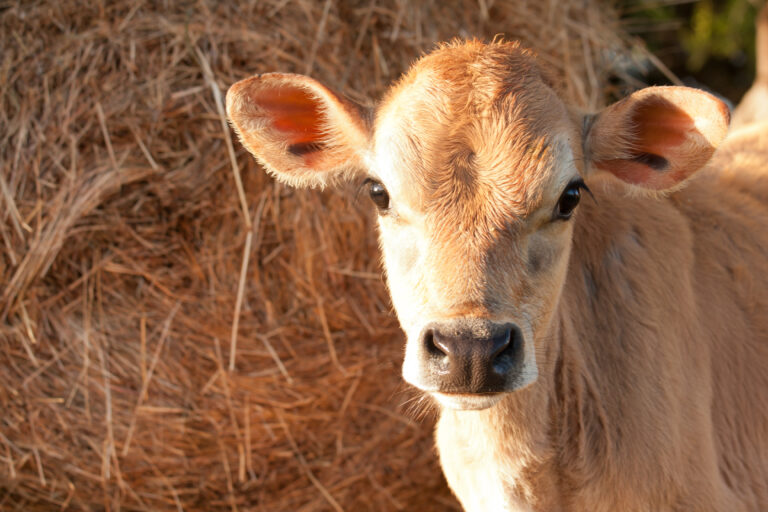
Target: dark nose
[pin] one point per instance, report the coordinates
(471, 356)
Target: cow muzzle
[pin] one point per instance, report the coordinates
(470, 357)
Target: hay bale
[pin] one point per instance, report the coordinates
(171, 338)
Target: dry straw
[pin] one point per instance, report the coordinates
(177, 331)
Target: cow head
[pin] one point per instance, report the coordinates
(476, 168)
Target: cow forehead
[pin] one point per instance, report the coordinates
(484, 140)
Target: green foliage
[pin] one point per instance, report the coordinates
(723, 29)
(703, 30)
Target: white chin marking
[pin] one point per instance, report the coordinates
(467, 402)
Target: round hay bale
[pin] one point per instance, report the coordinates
(178, 331)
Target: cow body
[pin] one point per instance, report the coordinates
(656, 391)
(598, 354)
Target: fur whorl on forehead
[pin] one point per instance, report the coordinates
(497, 90)
(469, 115)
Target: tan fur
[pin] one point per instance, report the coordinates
(658, 113)
(336, 125)
(754, 105)
(644, 317)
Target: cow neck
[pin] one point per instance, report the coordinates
(550, 430)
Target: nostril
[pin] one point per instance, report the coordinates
(508, 346)
(502, 342)
(433, 347)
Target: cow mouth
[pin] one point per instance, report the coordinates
(467, 401)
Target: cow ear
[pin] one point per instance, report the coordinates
(301, 131)
(657, 137)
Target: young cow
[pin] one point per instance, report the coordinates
(605, 353)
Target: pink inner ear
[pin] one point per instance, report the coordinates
(292, 111)
(662, 127)
(661, 133)
(630, 172)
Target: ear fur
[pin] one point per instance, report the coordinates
(657, 137)
(301, 131)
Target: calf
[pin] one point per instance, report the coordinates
(603, 353)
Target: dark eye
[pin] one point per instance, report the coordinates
(379, 194)
(569, 199)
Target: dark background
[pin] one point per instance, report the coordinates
(706, 43)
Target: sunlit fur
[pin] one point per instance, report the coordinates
(754, 106)
(324, 119)
(645, 316)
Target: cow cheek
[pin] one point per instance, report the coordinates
(402, 255)
(547, 262)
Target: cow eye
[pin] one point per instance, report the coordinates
(379, 194)
(569, 199)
